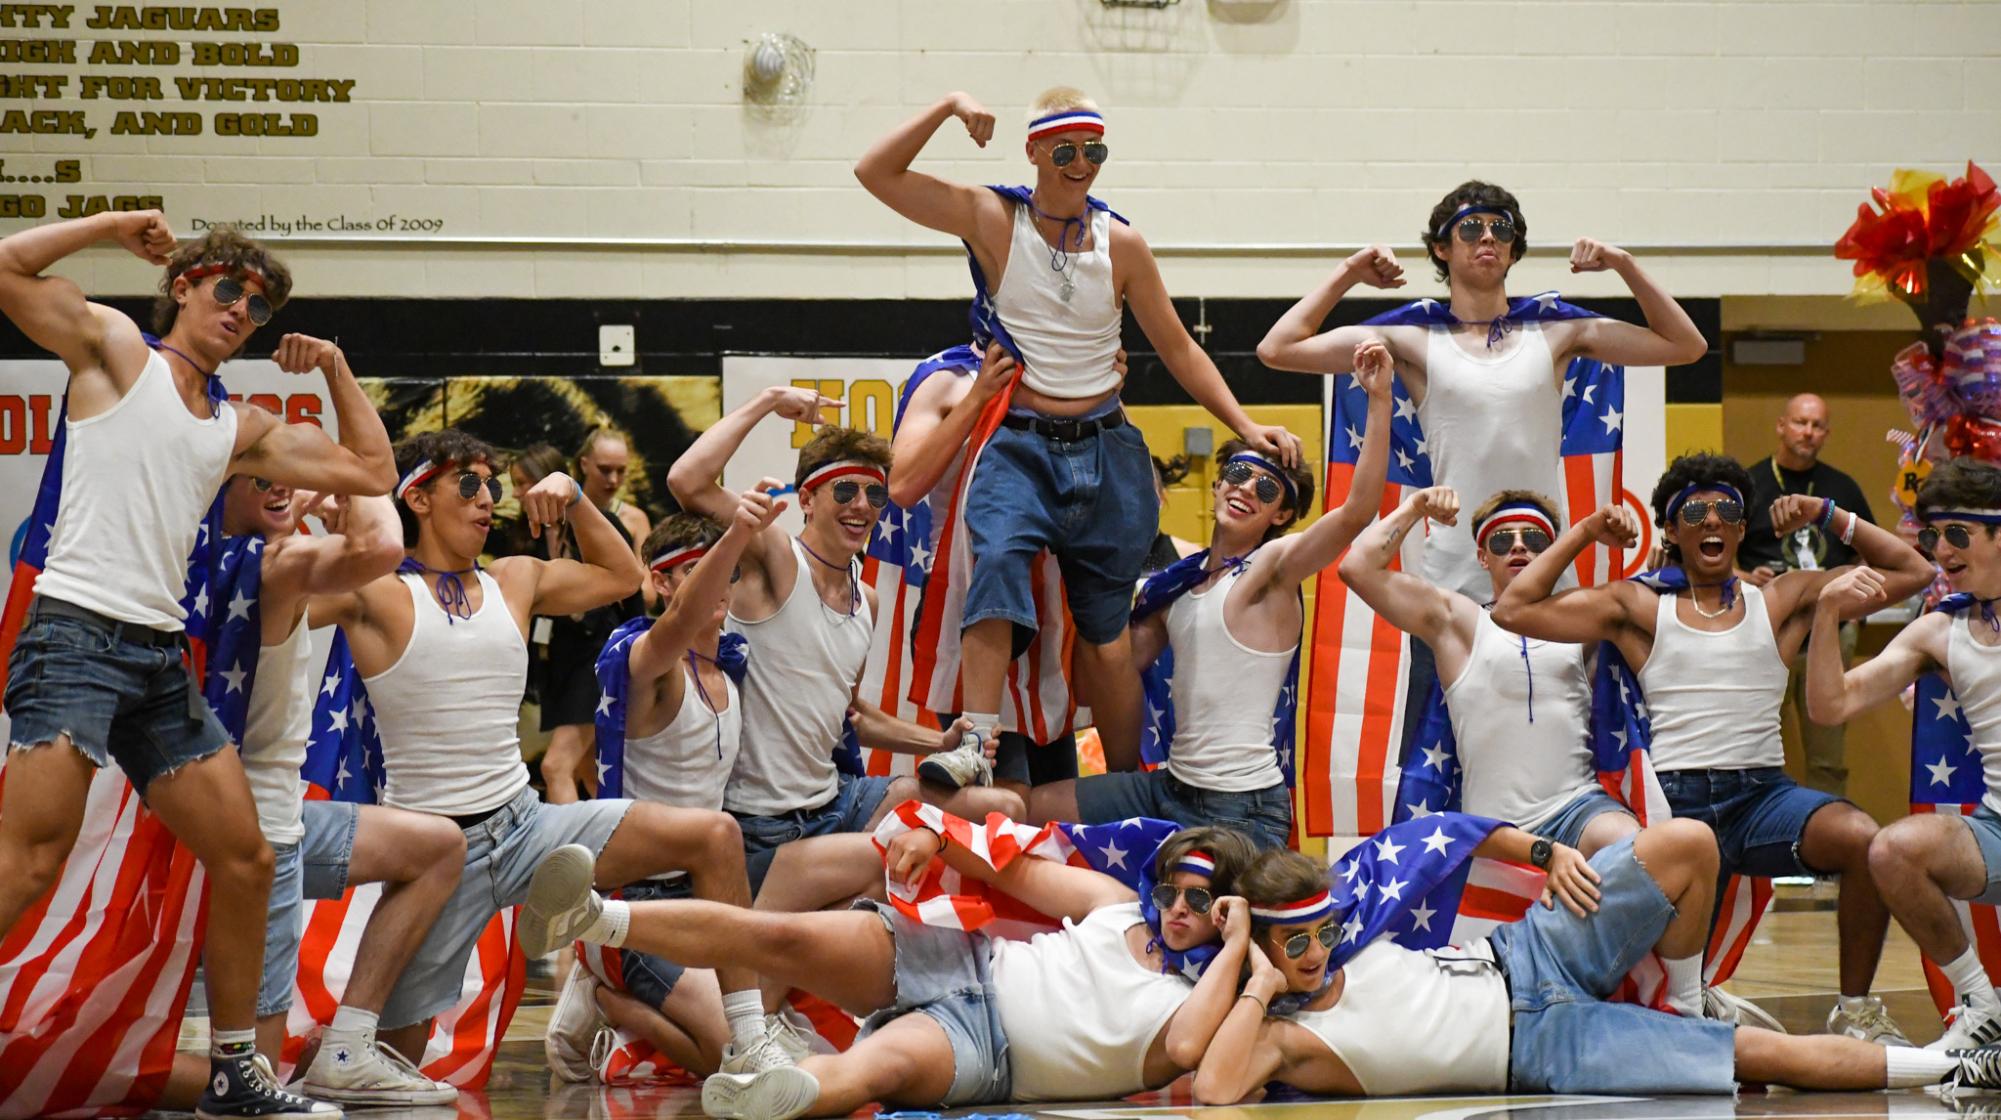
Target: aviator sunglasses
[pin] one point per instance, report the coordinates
(1295, 946)
(1236, 474)
(845, 490)
(229, 289)
(1470, 230)
(1500, 542)
(1958, 536)
(1065, 154)
(1728, 510)
(1199, 898)
(469, 484)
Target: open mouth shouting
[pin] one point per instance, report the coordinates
(1711, 547)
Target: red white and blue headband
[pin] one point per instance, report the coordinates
(1447, 226)
(1675, 503)
(677, 556)
(1514, 513)
(1978, 516)
(423, 472)
(828, 472)
(1066, 120)
(1195, 861)
(1270, 468)
(1296, 913)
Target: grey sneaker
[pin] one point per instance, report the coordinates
(1723, 1007)
(962, 766)
(777, 1094)
(792, 1032)
(573, 1027)
(1870, 1022)
(767, 1053)
(366, 1072)
(561, 904)
(1968, 1027)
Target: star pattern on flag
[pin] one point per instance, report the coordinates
(233, 678)
(1942, 771)
(1946, 766)
(1948, 706)
(1113, 855)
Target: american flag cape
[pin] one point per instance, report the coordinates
(94, 977)
(1355, 694)
(1947, 777)
(1159, 592)
(614, 675)
(344, 763)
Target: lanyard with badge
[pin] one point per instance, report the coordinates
(1804, 559)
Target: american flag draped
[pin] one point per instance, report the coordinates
(94, 977)
(344, 763)
(615, 689)
(1947, 777)
(1356, 691)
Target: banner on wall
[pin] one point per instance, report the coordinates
(866, 388)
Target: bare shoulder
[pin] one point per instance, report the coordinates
(937, 393)
(636, 522)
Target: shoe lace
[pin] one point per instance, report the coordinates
(765, 1054)
(1977, 1069)
(782, 1033)
(1874, 1017)
(402, 1064)
(258, 1072)
(602, 1044)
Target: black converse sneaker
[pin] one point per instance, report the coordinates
(1979, 1070)
(244, 1086)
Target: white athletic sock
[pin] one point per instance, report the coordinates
(612, 925)
(1684, 985)
(1907, 1067)
(1969, 982)
(745, 1011)
(983, 723)
(232, 1044)
(353, 1021)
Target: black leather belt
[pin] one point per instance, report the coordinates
(1065, 431)
(472, 819)
(124, 631)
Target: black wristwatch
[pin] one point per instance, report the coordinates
(1540, 852)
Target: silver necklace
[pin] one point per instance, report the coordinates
(1697, 604)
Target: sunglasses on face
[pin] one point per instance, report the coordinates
(1471, 230)
(1199, 898)
(263, 485)
(1236, 474)
(1065, 154)
(229, 289)
(1295, 946)
(1500, 542)
(845, 490)
(1728, 510)
(469, 484)
(1958, 536)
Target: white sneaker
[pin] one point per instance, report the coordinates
(365, 1072)
(777, 1094)
(1968, 1027)
(561, 904)
(1723, 1007)
(1870, 1022)
(766, 1054)
(962, 766)
(796, 1034)
(573, 1027)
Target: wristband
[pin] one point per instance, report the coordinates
(1826, 513)
(576, 493)
(1262, 1005)
(1848, 534)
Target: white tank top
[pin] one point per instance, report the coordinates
(805, 661)
(1067, 346)
(448, 709)
(1489, 424)
(1976, 679)
(1517, 769)
(275, 729)
(1090, 1007)
(1410, 1023)
(687, 763)
(137, 480)
(1714, 698)
(1224, 695)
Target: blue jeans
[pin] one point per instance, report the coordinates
(1567, 826)
(315, 867)
(1089, 502)
(1560, 968)
(1759, 816)
(946, 974)
(1264, 815)
(850, 809)
(1986, 826)
(116, 699)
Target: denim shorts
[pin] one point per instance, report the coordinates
(1986, 826)
(947, 974)
(1264, 815)
(645, 977)
(502, 852)
(1560, 968)
(1759, 816)
(1089, 502)
(1567, 826)
(854, 803)
(117, 700)
(315, 867)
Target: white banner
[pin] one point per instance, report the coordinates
(867, 388)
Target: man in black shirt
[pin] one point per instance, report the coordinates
(1795, 468)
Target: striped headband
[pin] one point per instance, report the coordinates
(1675, 503)
(1296, 913)
(1982, 516)
(827, 472)
(1276, 471)
(1197, 862)
(1066, 120)
(423, 472)
(1511, 513)
(677, 556)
